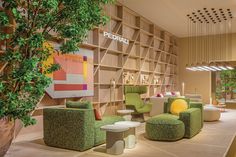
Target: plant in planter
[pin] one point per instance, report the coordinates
(226, 84)
(25, 25)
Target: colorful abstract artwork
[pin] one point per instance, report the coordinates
(75, 78)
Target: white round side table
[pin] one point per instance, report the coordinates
(126, 114)
(130, 135)
(115, 138)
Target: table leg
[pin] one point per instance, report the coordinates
(114, 143)
(130, 138)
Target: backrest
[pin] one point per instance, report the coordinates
(132, 95)
(79, 104)
(167, 105)
(133, 99)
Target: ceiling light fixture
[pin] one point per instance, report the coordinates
(210, 39)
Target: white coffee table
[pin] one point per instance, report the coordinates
(115, 138)
(130, 135)
(126, 114)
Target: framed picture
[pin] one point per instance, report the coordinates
(75, 78)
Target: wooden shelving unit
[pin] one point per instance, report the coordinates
(150, 59)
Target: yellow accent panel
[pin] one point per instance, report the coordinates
(178, 106)
(49, 61)
(85, 69)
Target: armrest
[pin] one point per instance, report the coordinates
(198, 105)
(192, 120)
(166, 109)
(69, 128)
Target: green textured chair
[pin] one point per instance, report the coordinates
(168, 127)
(133, 101)
(73, 128)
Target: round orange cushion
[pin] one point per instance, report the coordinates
(177, 106)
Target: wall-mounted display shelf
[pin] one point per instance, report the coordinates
(150, 58)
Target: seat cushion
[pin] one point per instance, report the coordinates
(165, 127)
(145, 108)
(100, 136)
(177, 106)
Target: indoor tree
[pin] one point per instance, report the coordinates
(31, 24)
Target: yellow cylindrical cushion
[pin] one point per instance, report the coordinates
(178, 106)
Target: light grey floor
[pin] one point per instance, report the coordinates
(212, 141)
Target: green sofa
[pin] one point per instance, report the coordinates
(168, 127)
(74, 129)
(133, 101)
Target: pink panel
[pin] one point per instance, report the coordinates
(69, 87)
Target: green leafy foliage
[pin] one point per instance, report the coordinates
(226, 85)
(36, 21)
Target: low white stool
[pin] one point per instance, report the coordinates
(130, 135)
(126, 114)
(211, 113)
(115, 138)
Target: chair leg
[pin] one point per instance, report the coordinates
(138, 117)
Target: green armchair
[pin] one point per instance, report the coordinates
(169, 127)
(133, 101)
(73, 128)
(192, 117)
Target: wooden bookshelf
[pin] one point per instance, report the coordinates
(150, 59)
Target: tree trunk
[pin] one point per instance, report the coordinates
(7, 128)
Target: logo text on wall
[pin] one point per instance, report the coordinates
(116, 37)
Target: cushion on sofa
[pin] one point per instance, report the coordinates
(97, 114)
(79, 104)
(100, 136)
(177, 106)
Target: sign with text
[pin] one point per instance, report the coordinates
(116, 37)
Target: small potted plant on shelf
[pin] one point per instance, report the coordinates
(24, 28)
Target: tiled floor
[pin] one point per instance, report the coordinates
(212, 141)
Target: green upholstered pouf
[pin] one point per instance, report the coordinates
(165, 127)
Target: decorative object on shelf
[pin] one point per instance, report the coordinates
(183, 88)
(112, 90)
(128, 78)
(156, 80)
(75, 75)
(144, 79)
(7, 127)
(113, 83)
(210, 40)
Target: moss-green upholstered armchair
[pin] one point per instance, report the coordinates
(133, 101)
(75, 128)
(192, 117)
